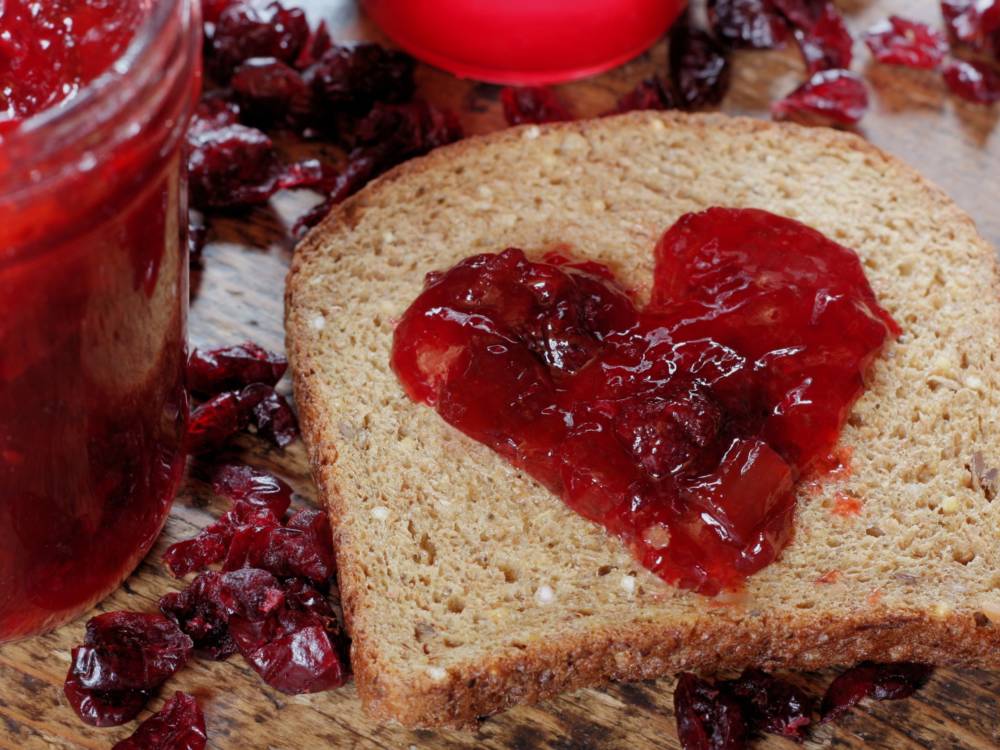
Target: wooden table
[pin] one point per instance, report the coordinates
(239, 296)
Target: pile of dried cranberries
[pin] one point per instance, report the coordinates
(269, 600)
(700, 59)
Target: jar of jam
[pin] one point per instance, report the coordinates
(95, 96)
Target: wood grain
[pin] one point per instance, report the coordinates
(239, 296)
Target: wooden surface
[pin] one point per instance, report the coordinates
(239, 296)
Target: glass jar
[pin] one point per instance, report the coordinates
(93, 306)
(525, 42)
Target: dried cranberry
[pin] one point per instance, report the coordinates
(235, 166)
(191, 555)
(352, 78)
(203, 609)
(317, 45)
(396, 132)
(975, 22)
(212, 543)
(252, 29)
(253, 486)
(101, 708)
(232, 165)
(898, 41)
(297, 647)
(303, 549)
(269, 412)
(752, 24)
(361, 167)
(826, 44)
(386, 136)
(532, 104)
(975, 82)
(129, 651)
(879, 681)
(213, 371)
(708, 718)
(830, 96)
(179, 725)
(214, 422)
(699, 67)
(772, 705)
(270, 93)
(652, 93)
(801, 14)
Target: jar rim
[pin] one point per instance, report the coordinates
(98, 90)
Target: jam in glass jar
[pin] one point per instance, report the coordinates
(95, 96)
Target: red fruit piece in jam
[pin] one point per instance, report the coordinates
(829, 97)
(352, 78)
(255, 29)
(753, 24)
(976, 82)
(652, 93)
(744, 364)
(258, 488)
(212, 371)
(898, 41)
(179, 725)
(826, 44)
(708, 717)
(532, 104)
(870, 680)
(699, 67)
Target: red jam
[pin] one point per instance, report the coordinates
(682, 426)
(93, 294)
(50, 50)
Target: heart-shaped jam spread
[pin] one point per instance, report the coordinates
(681, 427)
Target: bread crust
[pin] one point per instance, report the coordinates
(719, 641)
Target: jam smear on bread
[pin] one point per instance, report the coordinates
(681, 426)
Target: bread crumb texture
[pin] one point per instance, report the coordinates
(469, 588)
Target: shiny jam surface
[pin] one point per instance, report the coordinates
(50, 49)
(93, 299)
(682, 426)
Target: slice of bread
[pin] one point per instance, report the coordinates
(469, 588)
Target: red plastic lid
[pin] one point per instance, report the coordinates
(524, 41)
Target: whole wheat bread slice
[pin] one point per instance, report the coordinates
(468, 588)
